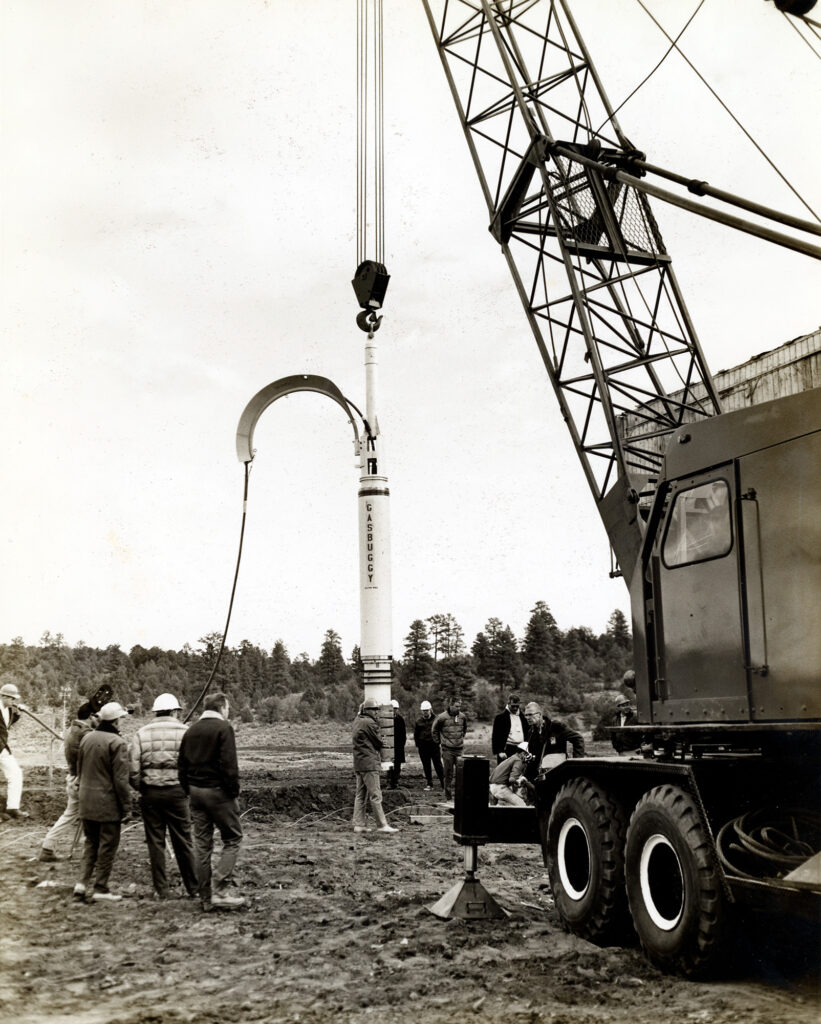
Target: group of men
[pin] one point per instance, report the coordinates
(184, 776)
(523, 743)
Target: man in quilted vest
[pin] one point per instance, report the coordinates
(155, 752)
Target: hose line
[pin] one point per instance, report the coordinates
(210, 679)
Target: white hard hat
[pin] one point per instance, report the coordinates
(523, 747)
(395, 703)
(9, 690)
(166, 702)
(370, 704)
(111, 712)
(425, 706)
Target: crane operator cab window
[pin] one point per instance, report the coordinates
(700, 525)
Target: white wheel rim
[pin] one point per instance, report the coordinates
(568, 827)
(654, 846)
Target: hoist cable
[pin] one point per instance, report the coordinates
(715, 95)
(800, 35)
(205, 688)
(647, 77)
(370, 129)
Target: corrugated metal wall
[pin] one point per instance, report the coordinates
(792, 367)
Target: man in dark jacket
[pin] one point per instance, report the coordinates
(400, 738)
(209, 775)
(104, 800)
(367, 761)
(449, 730)
(509, 729)
(426, 745)
(548, 737)
(67, 825)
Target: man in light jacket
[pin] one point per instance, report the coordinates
(105, 800)
(155, 752)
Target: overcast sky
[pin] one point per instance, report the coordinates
(178, 194)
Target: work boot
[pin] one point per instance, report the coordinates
(427, 788)
(16, 813)
(105, 896)
(225, 900)
(387, 828)
(49, 856)
(79, 894)
(362, 828)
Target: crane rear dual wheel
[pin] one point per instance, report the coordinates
(673, 883)
(585, 861)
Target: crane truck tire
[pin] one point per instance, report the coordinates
(584, 842)
(673, 884)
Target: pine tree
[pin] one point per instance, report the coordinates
(543, 639)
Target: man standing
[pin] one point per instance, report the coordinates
(448, 731)
(367, 761)
(509, 729)
(209, 775)
(400, 738)
(154, 756)
(104, 800)
(9, 696)
(426, 745)
(69, 822)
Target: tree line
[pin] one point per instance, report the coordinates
(565, 670)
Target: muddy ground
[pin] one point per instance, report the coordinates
(336, 926)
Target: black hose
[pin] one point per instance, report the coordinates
(768, 842)
(210, 679)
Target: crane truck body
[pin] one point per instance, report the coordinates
(714, 518)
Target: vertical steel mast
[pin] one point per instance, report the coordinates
(584, 249)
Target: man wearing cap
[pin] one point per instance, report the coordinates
(155, 752)
(104, 799)
(367, 761)
(509, 773)
(400, 738)
(427, 746)
(509, 729)
(624, 714)
(9, 697)
(209, 774)
(67, 825)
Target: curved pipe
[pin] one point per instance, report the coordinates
(277, 389)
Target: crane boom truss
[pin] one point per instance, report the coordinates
(617, 343)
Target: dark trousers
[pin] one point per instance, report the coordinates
(429, 754)
(449, 757)
(166, 807)
(393, 775)
(102, 840)
(210, 809)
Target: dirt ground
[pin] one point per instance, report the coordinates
(336, 926)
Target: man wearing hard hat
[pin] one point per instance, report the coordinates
(427, 746)
(367, 762)
(105, 799)
(9, 697)
(155, 752)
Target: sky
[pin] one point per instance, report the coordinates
(178, 230)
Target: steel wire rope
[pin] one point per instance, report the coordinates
(364, 84)
(800, 35)
(647, 77)
(715, 95)
(210, 679)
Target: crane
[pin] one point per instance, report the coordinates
(721, 570)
